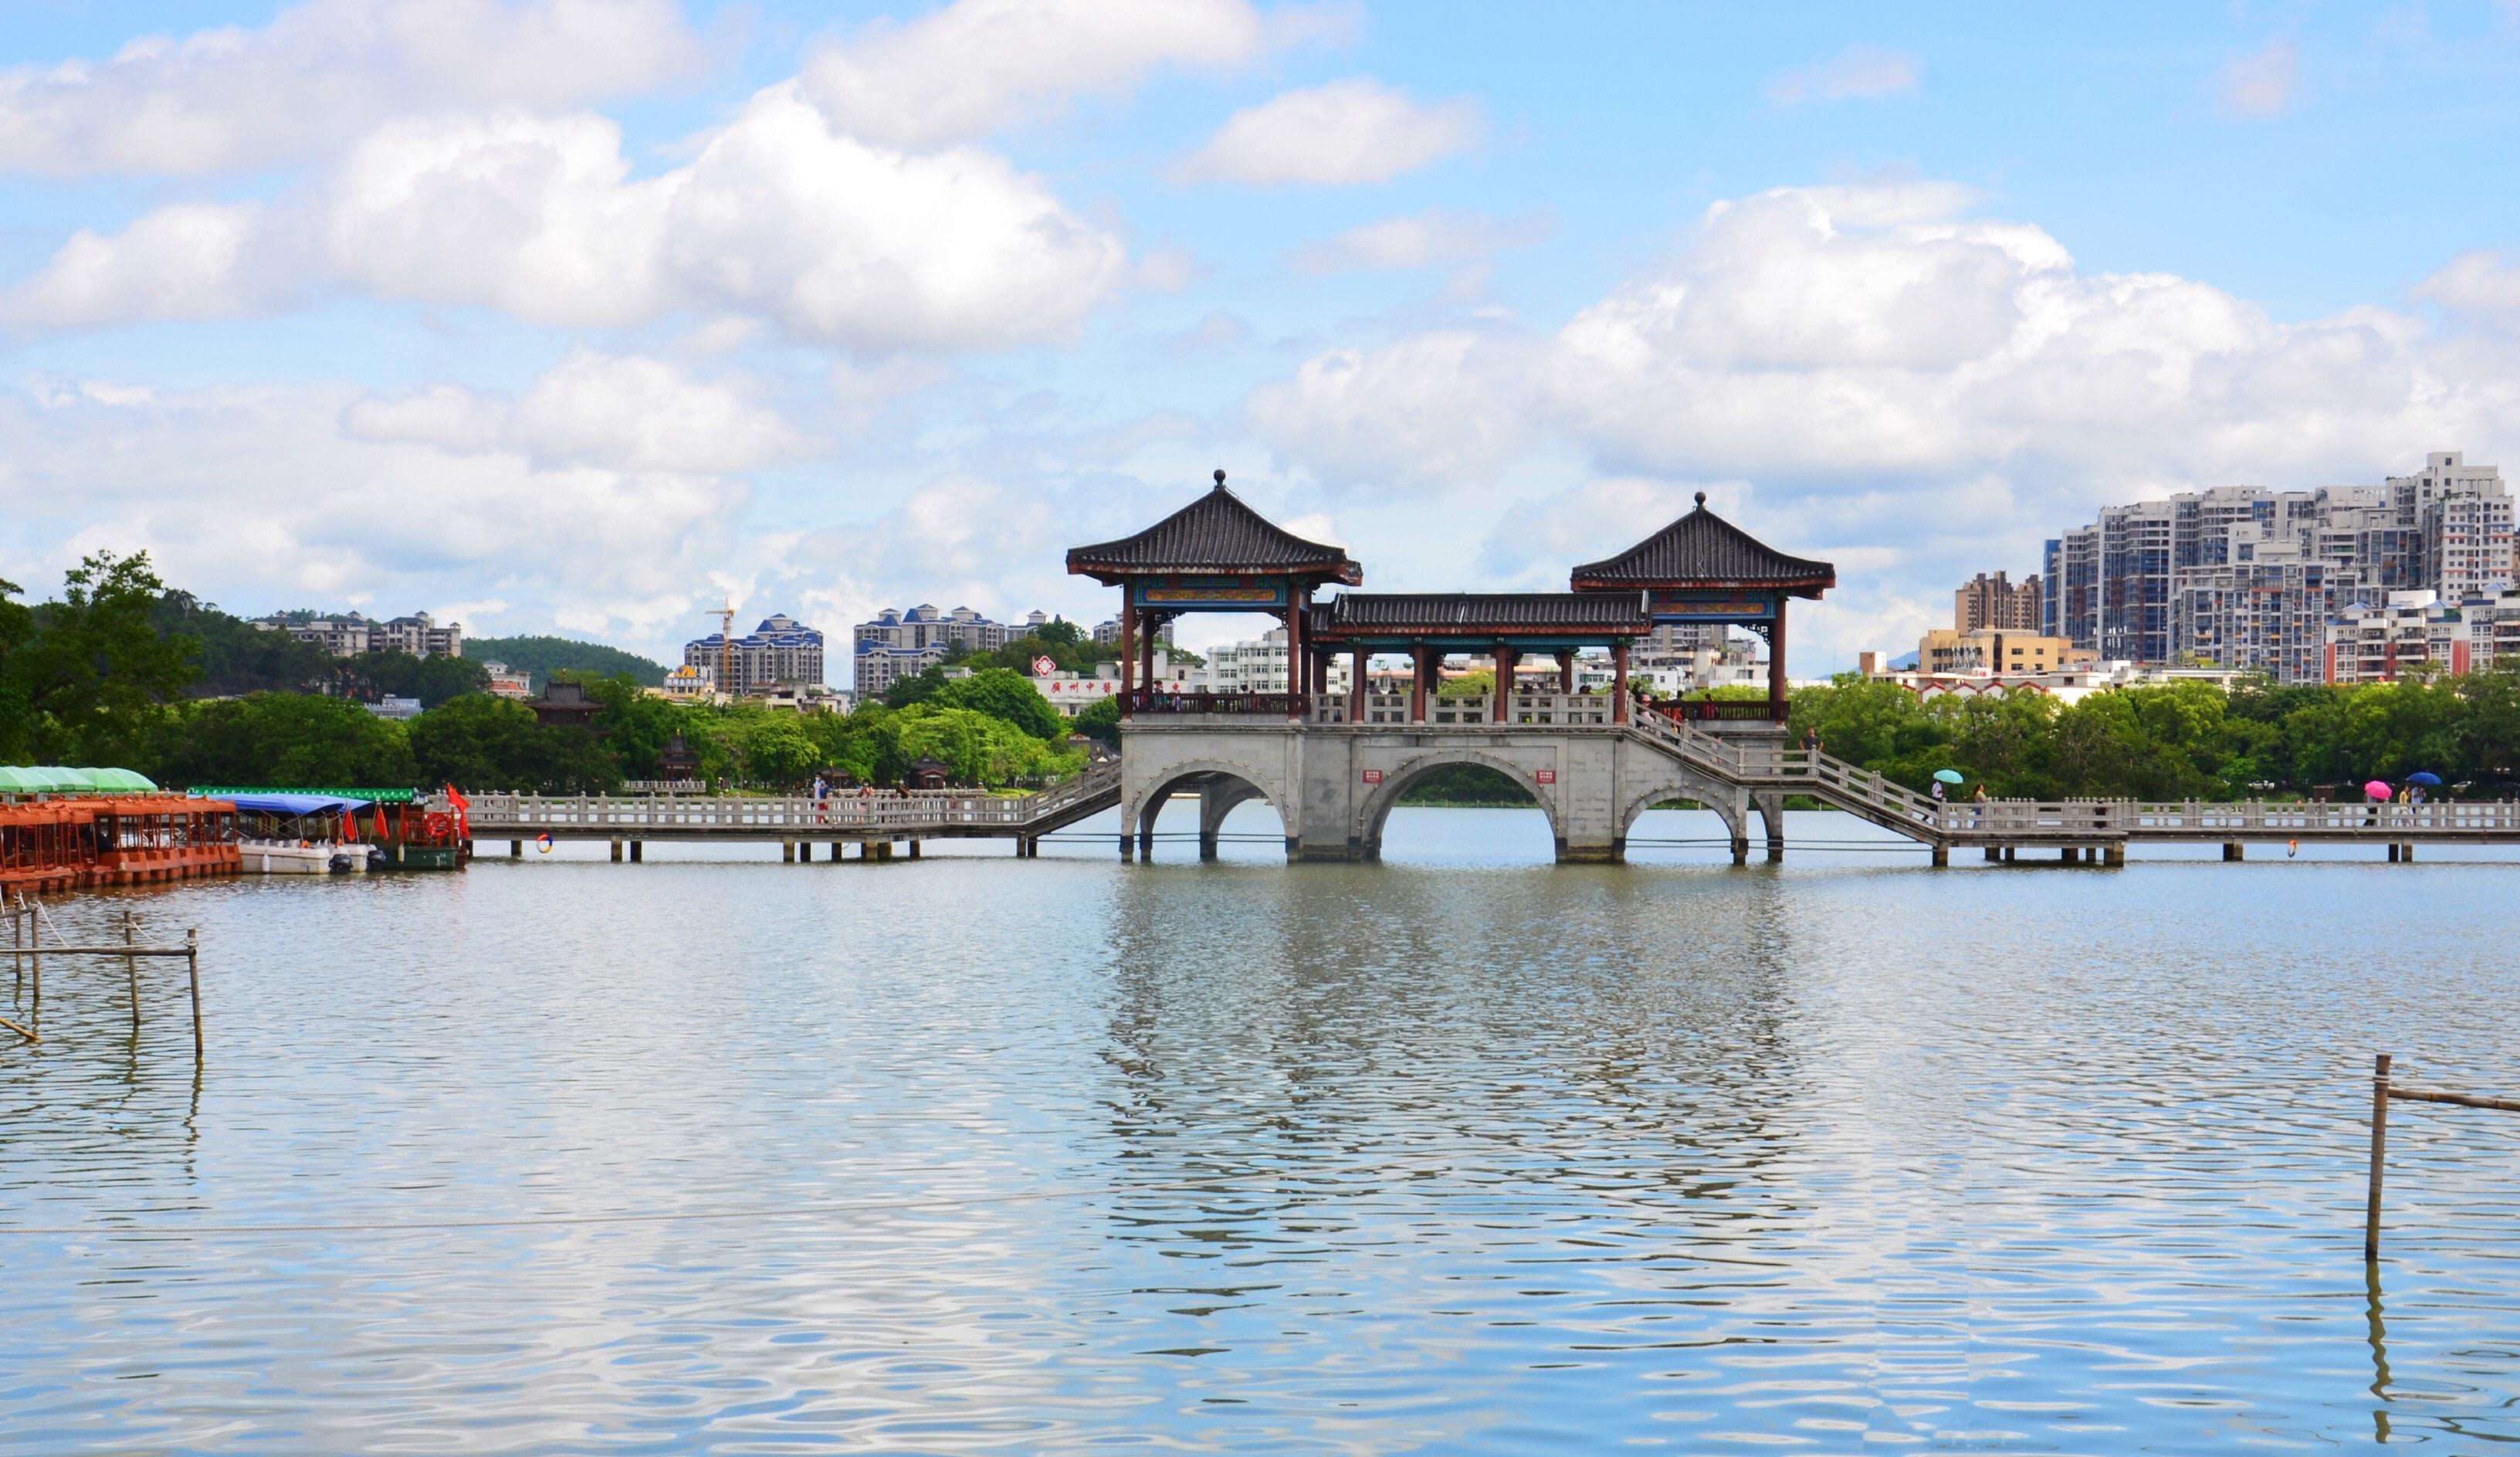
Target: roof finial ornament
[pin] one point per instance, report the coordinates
(1220, 478)
(1701, 500)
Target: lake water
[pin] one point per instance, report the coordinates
(1461, 1153)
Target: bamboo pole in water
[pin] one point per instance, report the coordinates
(193, 966)
(2379, 1145)
(21, 1031)
(2381, 1092)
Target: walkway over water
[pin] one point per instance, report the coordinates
(1334, 784)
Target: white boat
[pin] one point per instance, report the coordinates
(296, 857)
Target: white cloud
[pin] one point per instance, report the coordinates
(1882, 366)
(622, 413)
(2260, 84)
(776, 217)
(262, 497)
(1217, 330)
(2479, 282)
(1350, 131)
(1438, 408)
(233, 99)
(190, 260)
(1856, 73)
(975, 66)
(1421, 240)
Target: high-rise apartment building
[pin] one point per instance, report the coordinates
(1995, 601)
(781, 650)
(2248, 577)
(903, 644)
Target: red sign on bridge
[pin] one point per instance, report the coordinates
(1373, 776)
(1546, 776)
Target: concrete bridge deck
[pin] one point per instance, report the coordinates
(1333, 783)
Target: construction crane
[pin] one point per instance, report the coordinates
(725, 612)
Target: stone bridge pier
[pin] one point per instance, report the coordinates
(1334, 785)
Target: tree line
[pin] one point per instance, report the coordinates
(2184, 741)
(105, 675)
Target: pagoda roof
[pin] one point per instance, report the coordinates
(1704, 550)
(1216, 536)
(1479, 616)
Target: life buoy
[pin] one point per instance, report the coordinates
(438, 826)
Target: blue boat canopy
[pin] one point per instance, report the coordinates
(293, 803)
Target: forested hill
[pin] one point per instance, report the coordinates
(542, 655)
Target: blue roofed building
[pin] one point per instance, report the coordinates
(779, 652)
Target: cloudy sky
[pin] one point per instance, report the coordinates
(574, 315)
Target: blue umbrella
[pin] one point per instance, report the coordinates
(2424, 777)
(1950, 776)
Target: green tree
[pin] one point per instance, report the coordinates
(431, 680)
(1004, 695)
(778, 750)
(232, 656)
(636, 726)
(479, 741)
(89, 681)
(1100, 721)
(283, 741)
(543, 657)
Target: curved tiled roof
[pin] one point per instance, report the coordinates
(1480, 614)
(1704, 550)
(1216, 533)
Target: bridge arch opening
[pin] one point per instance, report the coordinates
(1681, 789)
(1213, 793)
(1467, 780)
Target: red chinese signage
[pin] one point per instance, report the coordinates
(1546, 776)
(1373, 776)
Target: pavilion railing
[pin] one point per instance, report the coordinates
(1138, 700)
(1723, 711)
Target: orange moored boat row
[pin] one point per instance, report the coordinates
(72, 844)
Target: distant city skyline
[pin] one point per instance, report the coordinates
(580, 318)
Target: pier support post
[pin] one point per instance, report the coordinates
(2231, 850)
(914, 849)
(515, 849)
(2392, 853)
(787, 853)
(1994, 854)
(1740, 842)
(2114, 855)
(1942, 855)
(638, 850)
(840, 848)
(2068, 854)
(2009, 852)
(2406, 852)
(616, 853)
(1147, 842)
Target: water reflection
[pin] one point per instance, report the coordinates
(1459, 1153)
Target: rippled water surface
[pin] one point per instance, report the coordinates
(1462, 1152)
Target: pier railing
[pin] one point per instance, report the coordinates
(496, 816)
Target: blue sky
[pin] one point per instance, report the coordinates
(574, 314)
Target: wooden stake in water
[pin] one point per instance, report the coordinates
(193, 969)
(131, 968)
(2380, 1147)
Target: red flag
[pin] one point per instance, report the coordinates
(381, 821)
(463, 813)
(349, 825)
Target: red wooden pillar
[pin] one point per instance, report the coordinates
(1356, 690)
(1295, 646)
(1500, 708)
(1619, 681)
(1565, 670)
(1153, 633)
(1777, 665)
(1128, 647)
(1425, 666)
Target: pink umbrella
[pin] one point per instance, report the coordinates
(2378, 789)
